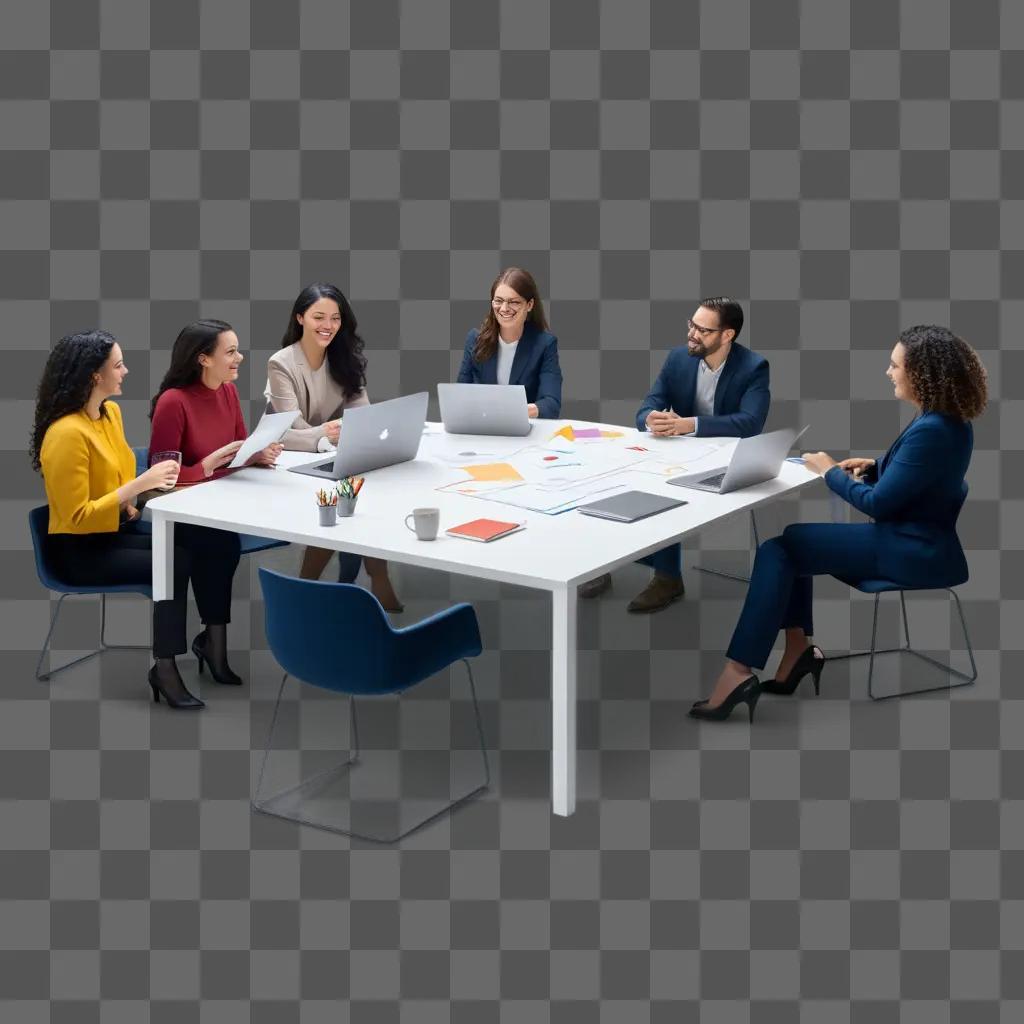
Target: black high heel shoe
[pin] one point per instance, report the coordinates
(184, 702)
(806, 664)
(224, 675)
(746, 693)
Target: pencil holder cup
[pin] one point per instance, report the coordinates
(328, 515)
(346, 506)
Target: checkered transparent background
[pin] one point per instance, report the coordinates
(844, 169)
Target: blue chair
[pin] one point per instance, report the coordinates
(879, 587)
(250, 543)
(307, 623)
(38, 524)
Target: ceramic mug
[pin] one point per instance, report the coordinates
(425, 522)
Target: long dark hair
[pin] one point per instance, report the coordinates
(195, 340)
(944, 372)
(522, 283)
(345, 360)
(67, 381)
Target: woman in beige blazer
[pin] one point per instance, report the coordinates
(320, 371)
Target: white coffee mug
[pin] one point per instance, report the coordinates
(425, 522)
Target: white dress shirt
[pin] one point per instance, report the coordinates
(506, 353)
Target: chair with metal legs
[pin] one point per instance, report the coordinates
(879, 587)
(337, 637)
(38, 522)
(731, 575)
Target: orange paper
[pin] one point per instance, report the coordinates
(493, 471)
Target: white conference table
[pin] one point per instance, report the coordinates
(554, 553)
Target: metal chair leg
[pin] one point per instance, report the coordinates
(963, 677)
(730, 575)
(275, 805)
(44, 676)
(103, 633)
(104, 646)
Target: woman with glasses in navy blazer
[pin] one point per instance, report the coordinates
(514, 346)
(913, 494)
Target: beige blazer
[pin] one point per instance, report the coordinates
(293, 385)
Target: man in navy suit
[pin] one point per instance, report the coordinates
(715, 387)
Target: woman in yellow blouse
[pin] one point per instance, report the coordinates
(88, 469)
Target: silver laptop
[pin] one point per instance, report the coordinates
(374, 436)
(754, 460)
(497, 409)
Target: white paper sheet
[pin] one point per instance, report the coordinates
(270, 428)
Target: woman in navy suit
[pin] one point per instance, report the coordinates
(513, 345)
(913, 493)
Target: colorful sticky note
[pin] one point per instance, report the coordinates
(493, 471)
(587, 431)
(566, 432)
(610, 433)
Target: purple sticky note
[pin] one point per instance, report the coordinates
(586, 432)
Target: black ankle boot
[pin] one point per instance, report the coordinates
(165, 681)
(211, 646)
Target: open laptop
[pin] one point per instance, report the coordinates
(374, 436)
(497, 409)
(754, 460)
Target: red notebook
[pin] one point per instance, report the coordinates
(484, 530)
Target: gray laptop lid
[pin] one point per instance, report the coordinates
(754, 460)
(375, 436)
(497, 409)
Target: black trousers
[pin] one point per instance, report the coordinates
(203, 555)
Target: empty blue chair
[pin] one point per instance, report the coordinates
(38, 524)
(309, 624)
(250, 544)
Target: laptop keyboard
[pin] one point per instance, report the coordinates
(713, 481)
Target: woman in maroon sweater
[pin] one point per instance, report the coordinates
(196, 412)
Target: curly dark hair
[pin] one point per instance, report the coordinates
(67, 381)
(196, 339)
(345, 360)
(944, 372)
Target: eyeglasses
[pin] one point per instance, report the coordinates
(702, 331)
(514, 304)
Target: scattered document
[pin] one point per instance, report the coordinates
(270, 428)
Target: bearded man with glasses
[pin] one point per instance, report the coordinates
(715, 387)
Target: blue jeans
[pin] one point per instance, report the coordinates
(666, 562)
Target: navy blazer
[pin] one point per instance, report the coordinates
(915, 494)
(741, 398)
(535, 366)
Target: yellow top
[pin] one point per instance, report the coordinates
(84, 462)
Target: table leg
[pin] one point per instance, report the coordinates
(563, 700)
(163, 557)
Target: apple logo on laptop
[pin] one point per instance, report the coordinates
(384, 434)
